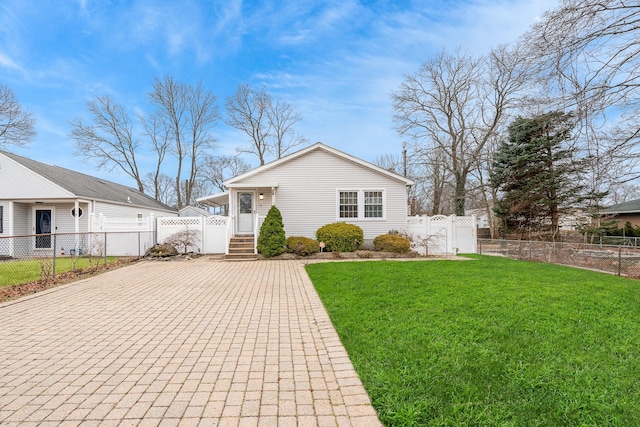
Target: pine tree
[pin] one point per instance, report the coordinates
(538, 174)
(272, 240)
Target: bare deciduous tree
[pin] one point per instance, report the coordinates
(164, 187)
(269, 124)
(16, 124)
(158, 134)
(588, 60)
(217, 169)
(455, 104)
(181, 125)
(110, 140)
(188, 114)
(282, 118)
(247, 112)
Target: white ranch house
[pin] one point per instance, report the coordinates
(315, 186)
(37, 198)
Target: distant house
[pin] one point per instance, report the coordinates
(623, 212)
(36, 198)
(315, 186)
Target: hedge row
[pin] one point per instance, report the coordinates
(335, 237)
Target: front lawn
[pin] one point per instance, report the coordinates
(25, 271)
(491, 341)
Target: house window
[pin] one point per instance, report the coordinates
(361, 204)
(373, 204)
(73, 212)
(348, 204)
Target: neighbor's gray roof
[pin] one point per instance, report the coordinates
(632, 206)
(89, 187)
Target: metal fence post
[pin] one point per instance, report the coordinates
(619, 261)
(53, 265)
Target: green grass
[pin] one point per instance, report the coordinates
(17, 272)
(488, 342)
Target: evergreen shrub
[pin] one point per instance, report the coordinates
(391, 243)
(272, 240)
(340, 237)
(302, 246)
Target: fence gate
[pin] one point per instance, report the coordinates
(212, 233)
(439, 234)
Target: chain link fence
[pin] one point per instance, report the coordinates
(619, 260)
(28, 258)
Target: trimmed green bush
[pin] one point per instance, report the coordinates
(302, 246)
(340, 237)
(391, 243)
(272, 241)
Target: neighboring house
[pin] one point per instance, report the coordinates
(36, 198)
(190, 211)
(315, 186)
(623, 212)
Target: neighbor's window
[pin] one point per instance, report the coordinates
(373, 204)
(348, 204)
(73, 212)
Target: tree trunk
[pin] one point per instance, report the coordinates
(460, 194)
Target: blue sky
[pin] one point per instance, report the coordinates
(337, 62)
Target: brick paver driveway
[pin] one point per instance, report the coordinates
(201, 342)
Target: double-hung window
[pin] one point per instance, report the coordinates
(361, 204)
(348, 204)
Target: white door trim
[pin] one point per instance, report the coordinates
(244, 219)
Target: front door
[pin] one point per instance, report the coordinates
(245, 212)
(43, 225)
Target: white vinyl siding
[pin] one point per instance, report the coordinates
(20, 182)
(307, 193)
(21, 219)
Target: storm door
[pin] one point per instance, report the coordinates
(43, 219)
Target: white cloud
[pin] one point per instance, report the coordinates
(7, 62)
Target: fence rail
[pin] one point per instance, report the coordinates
(616, 259)
(50, 254)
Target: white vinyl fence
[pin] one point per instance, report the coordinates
(212, 232)
(122, 236)
(440, 235)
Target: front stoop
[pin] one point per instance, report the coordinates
(241, 249)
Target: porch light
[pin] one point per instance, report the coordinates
(261, 196)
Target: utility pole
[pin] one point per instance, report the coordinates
(404, 158)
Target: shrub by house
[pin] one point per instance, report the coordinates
(340, 237)
(391, 243)
(302, 246)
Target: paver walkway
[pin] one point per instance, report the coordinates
(200, 342)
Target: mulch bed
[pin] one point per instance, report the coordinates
(16, 291)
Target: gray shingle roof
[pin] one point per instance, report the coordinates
(89, 187)
(625, 207)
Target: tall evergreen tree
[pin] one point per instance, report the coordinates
(538, 175)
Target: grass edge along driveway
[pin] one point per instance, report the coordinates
(488, 342)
